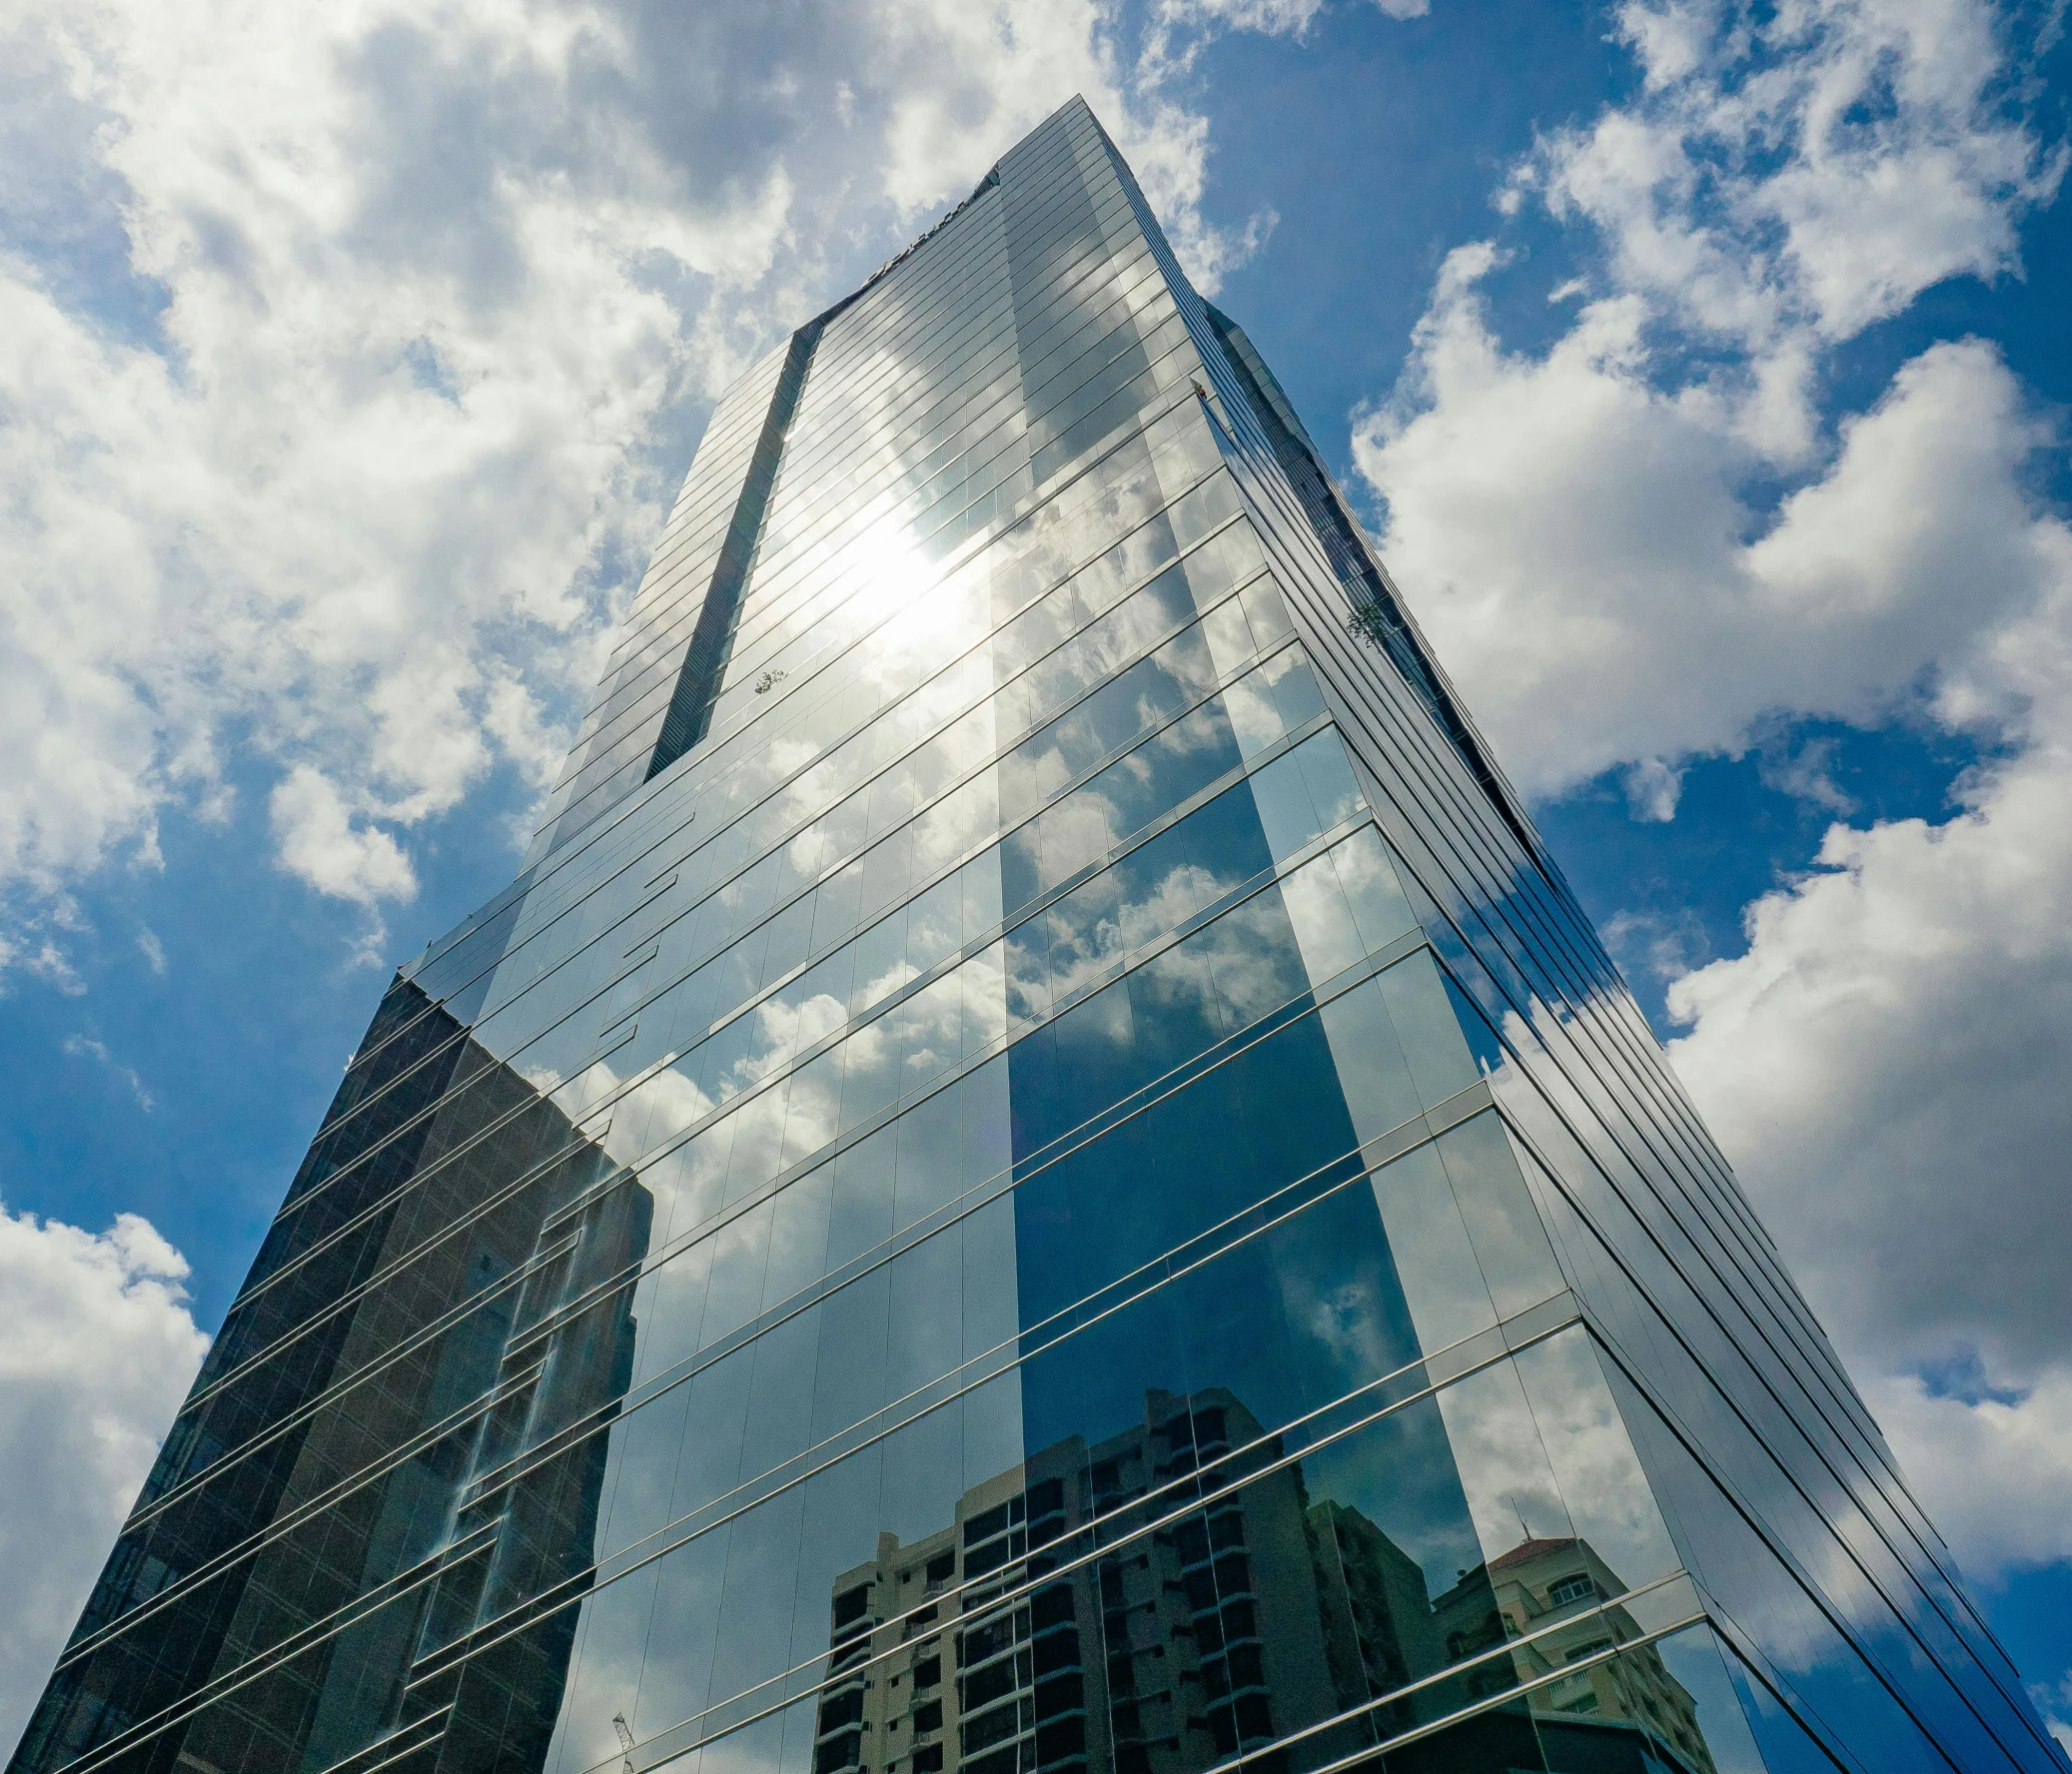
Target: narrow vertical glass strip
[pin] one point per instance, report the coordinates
(704, 663)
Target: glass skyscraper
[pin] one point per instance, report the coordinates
(1038, 1175)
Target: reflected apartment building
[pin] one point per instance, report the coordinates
(1039, 1172)
(1014, 1639)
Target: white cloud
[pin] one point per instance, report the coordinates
(1177, 31)
(1658, 946)
(1802, 166)
(1995, 1472)
(998, 72)
(1584, 531)
(346, 362)
(1178, 25)
(347, 359)
(1168, 148)
(1576, 542)
(319, 842)
(96, 1350)
(47, 960)
(1654, 788)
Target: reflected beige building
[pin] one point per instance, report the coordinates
(1551, 1591)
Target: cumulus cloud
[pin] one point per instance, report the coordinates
(96, 1350)
(1802, 166)
(1576, 528)
(347, 360)
(1577, 542)
(2021, 1447)
(319, 842)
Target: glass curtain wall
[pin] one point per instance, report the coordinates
(1038, 1175)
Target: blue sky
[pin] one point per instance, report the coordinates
(1703, 373)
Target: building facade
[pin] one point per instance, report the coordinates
(1038, 1175)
